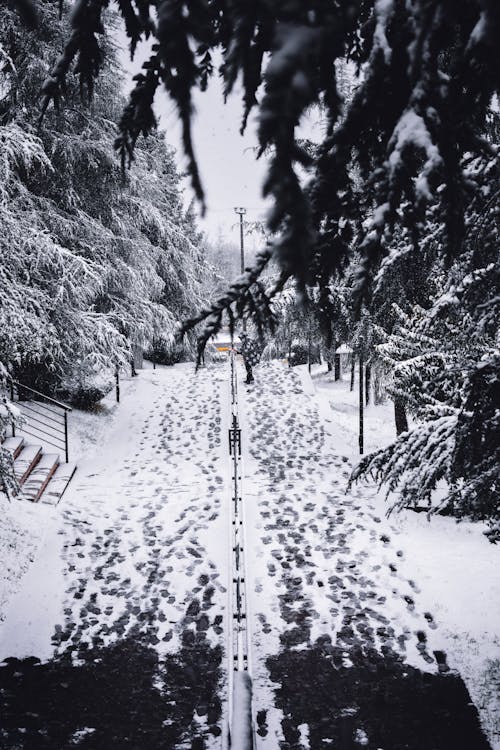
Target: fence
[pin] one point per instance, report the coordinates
(44, 418)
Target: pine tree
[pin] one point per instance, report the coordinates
(445, 365)
(426, 77)
(92, 263)
(441, 348)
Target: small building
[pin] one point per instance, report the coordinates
(344, 353)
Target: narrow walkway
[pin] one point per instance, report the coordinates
(133, 638)
(129, 641)
(342, 654)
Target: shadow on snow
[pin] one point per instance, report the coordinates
(122, 696)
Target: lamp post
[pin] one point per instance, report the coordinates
(241, 212)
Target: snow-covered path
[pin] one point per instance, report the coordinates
(343, 655)
(143, 538)
(127, 604)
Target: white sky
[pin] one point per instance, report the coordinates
(230, 173)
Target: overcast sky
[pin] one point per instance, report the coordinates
(230, 173)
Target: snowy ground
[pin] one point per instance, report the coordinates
(126, 602)
(456, 567)
(351, 614)
(340, 620)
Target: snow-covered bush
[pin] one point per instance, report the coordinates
(167, 351)
(84, 387)
(299, 354)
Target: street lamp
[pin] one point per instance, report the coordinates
(241, 211)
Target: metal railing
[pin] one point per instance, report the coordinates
(240, 710)
(44, 418)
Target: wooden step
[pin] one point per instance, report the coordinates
(26, 462)
(13, 445)
(40, 476)
(58, 484)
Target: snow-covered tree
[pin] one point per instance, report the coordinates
(444, 362)
(91, 263)
(426, 77)
(438, 319)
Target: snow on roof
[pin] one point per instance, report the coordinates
(223, 338)
(343, 349)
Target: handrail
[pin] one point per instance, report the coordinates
(28, 405)
(25, 402)
(48, 398)
(49, 430)
(37, 436)
(47, 408)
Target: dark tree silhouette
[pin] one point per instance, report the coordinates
(428, 71)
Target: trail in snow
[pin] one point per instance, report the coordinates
(342, 651)
(135, 658)
(126, 605)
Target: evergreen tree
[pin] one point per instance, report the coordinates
(444, 364)
(427, 74)
(91, 263)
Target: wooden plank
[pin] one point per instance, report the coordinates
(26, 462)
(13, 445)
(40, 476)
(58, 484)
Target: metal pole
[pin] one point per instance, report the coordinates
(66, 435)
(242, 245)
(361, 404)
(241, 212)
(309, 343)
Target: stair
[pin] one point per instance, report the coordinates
(58, 484)
(40, 476)
(26, 461)
(13, 445)
(39, 473)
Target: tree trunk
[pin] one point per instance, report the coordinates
(338, 372)
(329, 365)
(378, 391)
(368, 380)
(400, 416)
(353, 371)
